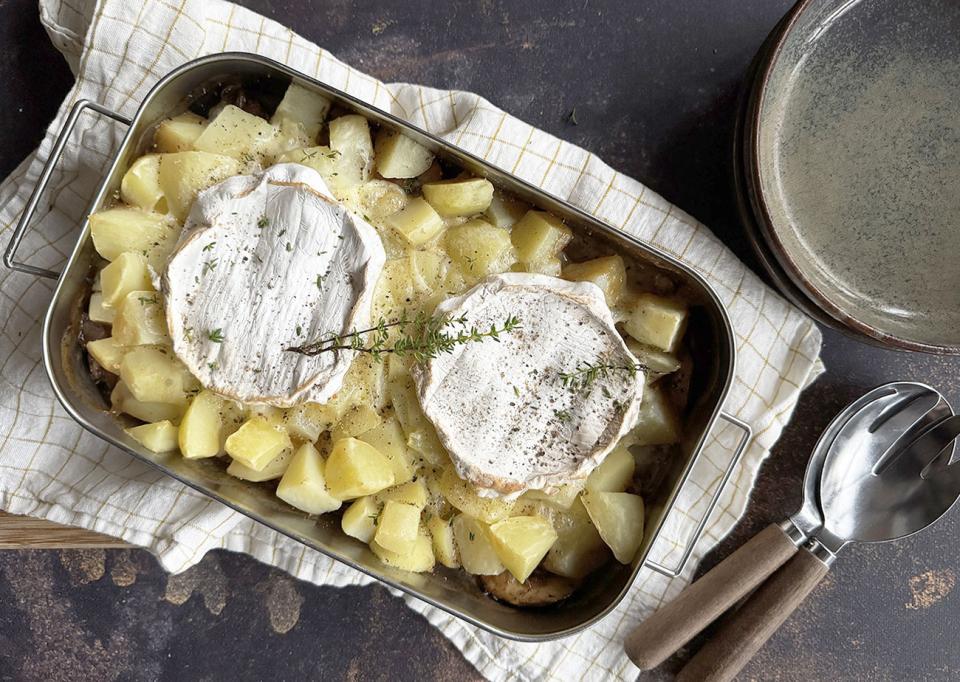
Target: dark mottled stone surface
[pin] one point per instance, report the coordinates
(654, 85)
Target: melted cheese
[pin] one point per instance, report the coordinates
(266, 262)
(501, 408)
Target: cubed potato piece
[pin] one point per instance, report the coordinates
(333, 166)
(140, 320)
(658, 423)
(235, 133)
(504, 211)
(108, 353)
(140, 185)
(427, 269)
(128, 272)
(619, 520)
(579, 549)
(609, 273)
(124, 229)
(419, 560)
(444, 544)
(615, 473)
(360, 519)
(389, 441)
(539, 237)
(418, 223)
(157, 437)
(97, 311)
(303, 106)
(521, 542)
(199, 435)
(428, 448)
(477, 555)
(274, 470)
(257, 442)
(363, 384)
(656, 362)
(378, 199)
(185, 174)
(122, 400)
(464, 497)
(355, 468)
(178, 134)
(552, 267)
(307, 421)
(358, 419)
(350, 136)
(479, 249)
(155, 376)
(561, 498)
(459, 197)
(657, 321)
(400, 157)
(413, 493)
(304, 484)
(398, 527)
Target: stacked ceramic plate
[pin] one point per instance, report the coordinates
(848, 165)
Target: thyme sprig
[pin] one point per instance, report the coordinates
(586, 373)
(423, 337)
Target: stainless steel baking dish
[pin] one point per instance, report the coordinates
(711, 343)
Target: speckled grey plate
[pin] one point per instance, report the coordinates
(853, 157)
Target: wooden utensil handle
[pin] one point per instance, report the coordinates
(677, 622)
(748, 629)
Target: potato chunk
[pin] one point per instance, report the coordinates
(400, 157)
(125, 274)
(256, 443)
(521, 542)
(464, 497)
(615, 473)
(97, 311)
(307, 421)
(444, 544)
(609, 273)
(140, 185)
(350, 137)
(358, 419)
(390, 442)
(185, 174)
(657, 321)
(656, 362)
(360, 519)
(119, 230)
(355, 468)
(108, 353)
(477, 555)
(619, 520)
(304, 484)
(418, 223)
(658, 423)
(178, 134)
(414, 493)
(479, 249)
(378, 199)
(504, 211)
(235, 133)
(140, 321)
(122, 400)
(398, 527)
(200, 429)
(460, 197)
(303, 106)
(275, 469)
(561, 498)
(539, 237)
(579, 549)
(154, 376)
(419, 560)
(158, 437)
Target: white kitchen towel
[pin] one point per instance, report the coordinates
(52, 468)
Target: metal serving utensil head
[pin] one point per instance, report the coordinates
(889, 472)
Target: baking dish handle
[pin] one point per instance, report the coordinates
(9, 256)
(747, 434)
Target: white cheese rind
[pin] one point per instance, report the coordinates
(501, 409)
(248, 264)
